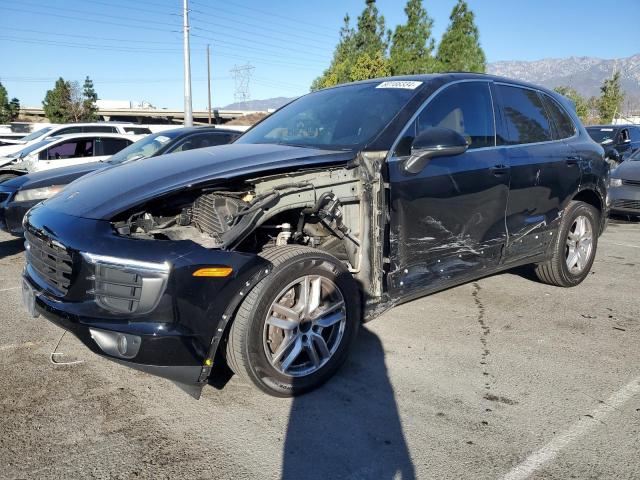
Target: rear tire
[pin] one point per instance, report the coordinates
(288, 342)
(574, 248)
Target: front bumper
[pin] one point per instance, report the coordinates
(180, 335)
(625, 199)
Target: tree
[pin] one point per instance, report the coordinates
(57, 101)
(67, 102)
(582, 107)
(460, 49)
(89, 101)
(7, 113)
(14, 108)
(611, 98)
(368, 66)
(367, 45)
(411, 44)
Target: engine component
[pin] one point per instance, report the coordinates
(214, 214)
(284, 235)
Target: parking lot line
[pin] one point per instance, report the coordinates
(550, 451)
(8, 289)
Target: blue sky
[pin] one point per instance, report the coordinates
(132, 49)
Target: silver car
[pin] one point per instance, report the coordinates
(624, 191)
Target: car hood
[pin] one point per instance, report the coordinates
(57, 176)
(113, 190)
(628, 170)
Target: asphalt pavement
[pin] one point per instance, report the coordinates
(503, 378)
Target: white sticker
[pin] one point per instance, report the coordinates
(162, 139)
(606, 129)
(406, 84)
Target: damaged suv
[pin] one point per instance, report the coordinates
(266, 254)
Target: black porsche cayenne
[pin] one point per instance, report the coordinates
(265, 255)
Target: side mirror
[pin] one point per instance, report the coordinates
(434, 142)
(612, 154)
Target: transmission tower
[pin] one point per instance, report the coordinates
(241, 77)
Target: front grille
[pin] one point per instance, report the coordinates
(632, 183)
(627, 204)
(50, 260)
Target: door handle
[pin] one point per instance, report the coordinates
(499, 170)
(573, 159)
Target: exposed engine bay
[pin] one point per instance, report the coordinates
(334, 210)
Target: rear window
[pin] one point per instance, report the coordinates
(526, 117)
(562, 124)
(602, 134)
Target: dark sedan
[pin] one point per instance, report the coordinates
(624, 187)
(20, 194)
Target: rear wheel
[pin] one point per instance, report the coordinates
(575, 247)
(296, 326)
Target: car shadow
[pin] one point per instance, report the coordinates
(350, 427)
(11, 247)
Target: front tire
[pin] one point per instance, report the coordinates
(296, 326)
(574, 248)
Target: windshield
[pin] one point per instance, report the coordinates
(346, 117)
(601, 135)
(147, 147)
(36, 134)
(31, 148)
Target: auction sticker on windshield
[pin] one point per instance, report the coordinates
(162, 139)
(406, 84)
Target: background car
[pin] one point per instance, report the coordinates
(618, 141)
(12, 146)
(63, 151)
(20, 194)
(624, 186)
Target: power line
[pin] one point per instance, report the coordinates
(88, 46)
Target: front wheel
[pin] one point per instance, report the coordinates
(575, 247)
(296, 326)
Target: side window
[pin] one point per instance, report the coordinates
(635, 134)
(562, 124)
(111, 146)
(464, 107)
(202, 141)
(525, 115)
(99, 128)
(70, 149)
(68, 130)
(624, 135)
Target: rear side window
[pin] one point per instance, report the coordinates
(464, 107)
(137, 130)
(526, 118)
(561, 123)
(69, 130)
(99, 128)
(111, 146)
(635, 134)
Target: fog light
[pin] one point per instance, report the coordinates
(121, 345)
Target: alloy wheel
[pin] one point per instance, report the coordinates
(304, 326)
(579, 245)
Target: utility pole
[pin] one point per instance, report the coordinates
(209, 83)
(188, 108)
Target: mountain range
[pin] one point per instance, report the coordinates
(585, 74)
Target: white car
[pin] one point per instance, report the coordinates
(67, 129)
(63, 151)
